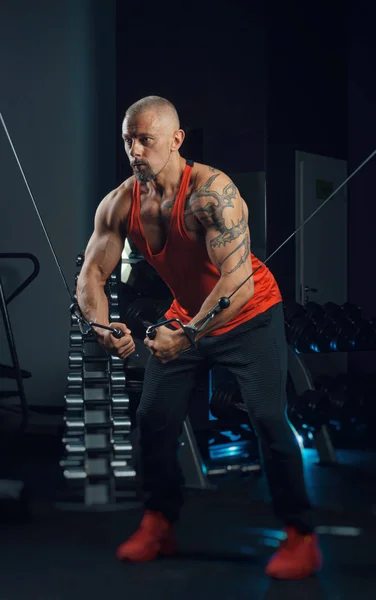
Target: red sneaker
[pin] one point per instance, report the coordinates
(298, 557)
(154, 537)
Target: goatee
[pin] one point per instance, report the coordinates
(143, 174)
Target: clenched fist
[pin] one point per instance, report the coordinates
(122, 347)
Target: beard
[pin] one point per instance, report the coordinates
(143, 173)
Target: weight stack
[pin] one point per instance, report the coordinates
(97, 461)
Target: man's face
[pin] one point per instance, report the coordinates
(147, 142)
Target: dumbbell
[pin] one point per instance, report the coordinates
(339, 393)
(322, 383)
(325, 332)
(346, 320)
(293, 310)
(363, 335)
(341, 327)
(301, 334)
(345, 337)
(352, 312)
(310, 409)
(334, 331)
(226, 402)
(299, 330)
(314, 310)
(344, 328)
(138, 314)
(333, 310)
(352, 330)
(343, 409)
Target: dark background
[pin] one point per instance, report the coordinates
(252, 81)
(256, 81)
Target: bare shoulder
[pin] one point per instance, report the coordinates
(206, 175)
(213, 186)
(114, 208)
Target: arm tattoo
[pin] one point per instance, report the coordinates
(212, 214)
(245, 244)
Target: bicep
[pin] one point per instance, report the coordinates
(224, 215)
(229, 250)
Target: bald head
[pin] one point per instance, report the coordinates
(163, 109)
(152, 137)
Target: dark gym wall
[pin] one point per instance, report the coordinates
(58, 100)
(210, 63)
(306, 109)
(362, 141)
(254, 81)
(321, 95)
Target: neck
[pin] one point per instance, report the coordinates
(167, 182)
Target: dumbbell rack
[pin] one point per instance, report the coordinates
(97, 459)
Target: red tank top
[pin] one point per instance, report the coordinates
(186, 268)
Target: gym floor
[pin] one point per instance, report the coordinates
(226, 537)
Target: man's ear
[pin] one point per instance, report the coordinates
(177, 140)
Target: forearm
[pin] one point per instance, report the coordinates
(92, 300)
(224, 288)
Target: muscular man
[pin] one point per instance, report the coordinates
(191, 223)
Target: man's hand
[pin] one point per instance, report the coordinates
(122, 347)
(168, 344)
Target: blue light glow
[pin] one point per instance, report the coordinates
(269, 542)
(234, 437)
(233, 449)
(226, 451)
(298, 437)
